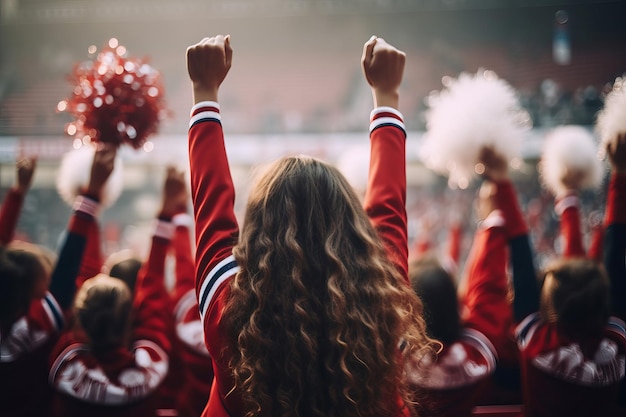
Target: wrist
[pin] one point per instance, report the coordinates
(385, 98)
(19, 189)
(204, 94)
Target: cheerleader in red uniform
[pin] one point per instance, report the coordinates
(115, 357)
(309, 311)
(573, 349)
(34, 303)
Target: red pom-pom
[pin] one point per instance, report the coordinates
(116, 99)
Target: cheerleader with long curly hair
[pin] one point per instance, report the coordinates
(308, 311)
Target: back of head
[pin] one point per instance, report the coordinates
(317, 311)
(126, 270)
(103, 311)
(575, 296)
(21, 275)
(437, 290)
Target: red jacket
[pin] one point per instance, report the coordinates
(24, 352)
(197, 364)
(122, 381)
(217, 230)
(454, 384)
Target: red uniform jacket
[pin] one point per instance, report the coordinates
(24, 351)
(122, 381)
(454, 384)
(217, 229)
(197, 364)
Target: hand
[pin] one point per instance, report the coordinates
(101, 168)
(572, 179)
(492, 165)
(208, 62)
(616, 151)
(175, 195)
(25, 172)
(383, 66)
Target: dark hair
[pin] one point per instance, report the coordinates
(103, 311)
(127, 270)
(437, 290)
(20, 270)
(576, 297)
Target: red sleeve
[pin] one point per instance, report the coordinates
(9, 215)
(596, 247)
(454, 244)
(92, 259)
(185, 278)
(616, 200)
(486, 306)
(151, 299)
(213, 197)
(506, 198)
(385, 199)
(567, 208)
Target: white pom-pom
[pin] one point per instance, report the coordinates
(473, 111)
(570, 151)
(611, 120)
(74, 172)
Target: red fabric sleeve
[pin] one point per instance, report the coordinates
(212, 190)
(596, 247)
(507, 201)
(454, 243)
(151, 300)
(486, 306)
(185, 278)
(567, 208)
(616, 200)
(92, 259)
(9, 215)
(385, 199)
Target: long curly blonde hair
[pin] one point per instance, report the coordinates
(321, 323)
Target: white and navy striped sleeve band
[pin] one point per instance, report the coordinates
(163, 229)
(483, 345)
(205, 111)
(184, 220)
(54, 311)
(220, 273)
(386, 116)
(526, 329)
(567, 201)
(86, 205)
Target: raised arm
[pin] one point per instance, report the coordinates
(485, 289)
(385, 198)
(566, 207)
(101, 169)
(12, 205)
(525, 286)
(212, 189)
(615, 226)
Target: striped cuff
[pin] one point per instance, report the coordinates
(164, 229)
(565, 202)
(87, 206)
(205, 111)
(494, 219)
(386, 116)
(183, 219)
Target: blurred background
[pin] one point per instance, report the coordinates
(296, 87)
